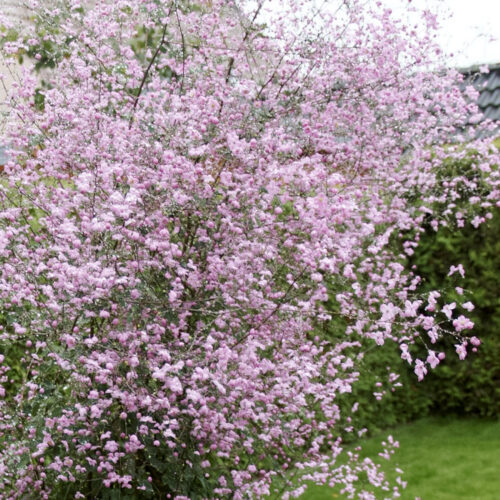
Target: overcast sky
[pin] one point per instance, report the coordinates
(470, 29)
(473, 32)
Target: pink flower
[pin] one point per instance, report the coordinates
(432, 359)
(111, 446)
(469, 306)
(448, 309)
(461, 350)
(459, 269)
(179, 217)
(420, 369)
(475, 341)
(463, 323)
(174, 384)
(133, 444)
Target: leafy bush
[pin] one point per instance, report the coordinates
(471, 386)
(467, 387)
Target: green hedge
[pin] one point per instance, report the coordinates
(396, 406)
(471, 386)
(381, 400)
(468, 387)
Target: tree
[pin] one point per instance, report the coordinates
(192, 195)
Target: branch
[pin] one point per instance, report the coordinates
(146, 73)
(183, 50)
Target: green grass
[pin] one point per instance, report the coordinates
(442, 459)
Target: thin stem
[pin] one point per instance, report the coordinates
(146, 73)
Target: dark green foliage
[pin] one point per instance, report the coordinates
(471, 386)
(398, 404)
(383, 399)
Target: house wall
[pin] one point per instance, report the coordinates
(15, 12)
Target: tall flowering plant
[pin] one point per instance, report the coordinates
(189, 192)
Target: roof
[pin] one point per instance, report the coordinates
(488, 86)
(3, 155)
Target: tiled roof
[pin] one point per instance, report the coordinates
(3, 156)
(488, 86)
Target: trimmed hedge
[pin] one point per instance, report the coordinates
(471, 386)
(468, 387)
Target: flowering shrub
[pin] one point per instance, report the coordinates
(179, 199)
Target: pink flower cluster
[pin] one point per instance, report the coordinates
(173, 220)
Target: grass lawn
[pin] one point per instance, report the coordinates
(442, 459)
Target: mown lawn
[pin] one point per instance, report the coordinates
(442, 459)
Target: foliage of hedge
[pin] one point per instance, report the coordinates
(382, 403)
(471, 386)
(468, 387)
(386, 394)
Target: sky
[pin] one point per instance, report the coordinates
(471, 31)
